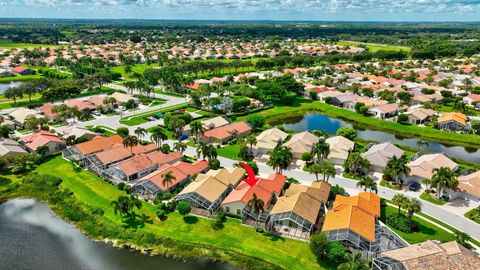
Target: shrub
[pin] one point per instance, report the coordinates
(335, 252)
(214, 164)
(347, 132)
(319, 244)
(121, 186)
(161, 214)
(183, 208)
(256, 120)
(399, 222)
(402, 118)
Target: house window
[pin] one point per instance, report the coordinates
(227, 209)
(238, 211)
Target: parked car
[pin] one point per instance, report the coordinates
(415, 186)
(151, 118)
(97, 113)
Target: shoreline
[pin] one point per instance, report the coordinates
(360, 121)
(196, 252)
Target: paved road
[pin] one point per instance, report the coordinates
(442, 214)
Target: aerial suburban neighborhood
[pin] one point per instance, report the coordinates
(238, 144)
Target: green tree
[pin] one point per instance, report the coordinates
(353, 262)
(180, 147)
(368, 184)
(397, 168)
(256, 120)
(123, 132)
(347, 132)
(400, 200)
(319, 244)
(183, 208)
(140, 132)
(197, 129)
(158, 135)
(335, 252)
(280, 158)
(443, 178)
(321, 150)
(256, 205)
(130, 141)
(167, 179)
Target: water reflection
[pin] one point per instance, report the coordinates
(32, 237)
(330, 125)
(6, 85)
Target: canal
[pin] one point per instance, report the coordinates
(32, 237)
(314, 121)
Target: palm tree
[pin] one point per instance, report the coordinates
(413, 206)
(140, 132)
(280, 158)
(400, 200)
(197, 129)
(180, 147)
(251, 141)
(158, 135)
(463, 238)
(328, 170)
(168, 178)
(316, 169)
(321, 149)
(257, 206)
(353, 262)
(356, 164)
(206, 151)
(130, 141)
(397, 168)
(367, 183)
(443, 178)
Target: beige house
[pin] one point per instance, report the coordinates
(268, 139)
(19, 115)
(211, 123)
(297, 212)
(340, 148)
(10, 147)
(379, 154)
(468, 187)
(301, 142)
(424, 166)
(75, 130)
(121, 97)
(206, 193)
(419, 115)
(426, 256)
(385, 110)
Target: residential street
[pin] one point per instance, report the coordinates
(444, 214)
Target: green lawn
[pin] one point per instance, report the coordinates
(473, 215)
(9, 44)
(108, 131)
(278, 114)
(229, 151)
(427, 231)
(286, 253)
(18, 78)
(142, 118)
(429, 198)
(170, 134)
(372, 47)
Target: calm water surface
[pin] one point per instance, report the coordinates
(330, 125)
(31, 237)
(5, 85)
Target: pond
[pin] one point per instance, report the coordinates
(5, 85)
(32, 237)
(315, 121)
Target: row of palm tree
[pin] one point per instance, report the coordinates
(206, 151)
(411, 206)
(397, 168)
(368, 184)
(443, 178)
(325, 168)
(125, 206)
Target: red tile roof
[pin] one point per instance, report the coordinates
(81, 104)
(264, 188)
(180, 170)
(40, 138)
(98, 144)
(226, 131)
(19, 69)
(142, 162)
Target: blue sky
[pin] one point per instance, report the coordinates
(318, 10)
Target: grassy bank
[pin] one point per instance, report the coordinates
(175, 236)
(9, 44)
(142, 117)
(281, 113)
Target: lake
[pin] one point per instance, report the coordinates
(313, 121)
(5, 85)
(32, 237)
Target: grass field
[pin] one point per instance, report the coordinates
(427, 231)
(9, 44)
(429, 198)
(281, 113)
(142, 118)
(229, 151)
(20, 78)
(375, 47)
(286, 253)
